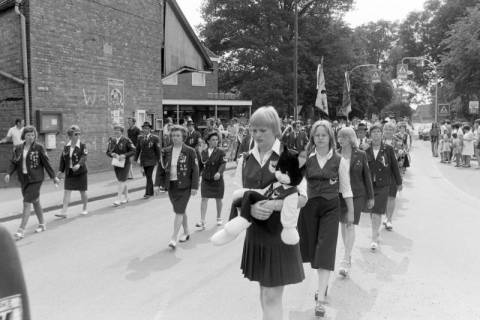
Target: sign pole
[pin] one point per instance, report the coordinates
(436, 97)
(295, 66)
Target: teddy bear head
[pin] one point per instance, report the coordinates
(288, 169)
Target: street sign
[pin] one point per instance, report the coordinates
(402, 72)
(444, 109)
(473, 107)
(376, 77)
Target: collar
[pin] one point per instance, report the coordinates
(275, 148)
(329, 154)
(76, 145)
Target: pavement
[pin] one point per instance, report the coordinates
(115, 264)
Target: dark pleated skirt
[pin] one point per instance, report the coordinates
(31, 191)
(122, 173)
(212, 189)
(178, 197)
(359, 206)
(381, 199)
(76, 182)
(269, 261)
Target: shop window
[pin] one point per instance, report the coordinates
(198, 79)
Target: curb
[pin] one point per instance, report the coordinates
(74, 203)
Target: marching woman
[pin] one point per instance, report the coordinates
(266, 258)
(326, 175)
(385, 173)
(73, 163)
(120, 149)
(29, 161)
(213, 186)
(362, 189)
(178, 174)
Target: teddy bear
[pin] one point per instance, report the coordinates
(288, 176)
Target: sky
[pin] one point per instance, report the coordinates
(364, 10)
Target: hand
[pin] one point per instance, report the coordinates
(142, 171)
(217, 176)
(121, 157)
(76, 167)
(302, 201)
(56, 180)
(7, 179)
(400, 187)
(260, 212)
(193, 192)
(370, 203)
(60, 175)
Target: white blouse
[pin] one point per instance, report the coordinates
(173, 167)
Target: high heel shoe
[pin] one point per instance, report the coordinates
(41, 228)
(19, 235)
(319, 306)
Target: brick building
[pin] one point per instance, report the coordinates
(91, 63)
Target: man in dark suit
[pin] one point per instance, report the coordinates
(132, 132)
(295, 139)
(193, 136)
(247, 143)
(148, 151)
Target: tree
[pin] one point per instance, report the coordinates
(399, 109)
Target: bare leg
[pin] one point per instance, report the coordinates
(391, 208)
(176, 226)
(25, 215)
(219, 208)
(323, 277)
(271, 301)
(203, 209)
(348, 235)
(376, 222)
(125, 190)
(120, 190)
(84, 196)
(66, 200)
(38, 211)
(185, 224)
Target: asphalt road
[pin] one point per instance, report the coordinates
(114, 263)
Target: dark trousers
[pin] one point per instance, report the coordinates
(149, 176)
(245, 205)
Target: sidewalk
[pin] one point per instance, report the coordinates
(101, 185)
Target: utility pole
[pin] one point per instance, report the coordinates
(295, 65)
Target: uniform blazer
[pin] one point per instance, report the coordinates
(148, 150)
(245, 146)
(79, 156)
(193, 139)
(133, 134)
(187, 168)
(124, 146)
(37, 161)
(213, 164)
(360, 175)
(384, 168)
(297, 142)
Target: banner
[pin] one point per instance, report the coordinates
(346, 107)
(321, 101)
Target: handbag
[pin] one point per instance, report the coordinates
(118, 163)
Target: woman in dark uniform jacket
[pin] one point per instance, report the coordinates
(178, 174)
(213, 186)
(362, 189)
(73, 162)
(266, 259)
(385, 172)
(326, 175)
(120, 149)
(29, 161)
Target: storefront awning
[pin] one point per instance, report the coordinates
(206, 102)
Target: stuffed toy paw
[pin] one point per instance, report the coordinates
(222, 237)
(236, 226)
(290, 236)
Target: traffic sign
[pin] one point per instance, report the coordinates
(444, 109)
(473, 107)
(402, 72)
(376, 77)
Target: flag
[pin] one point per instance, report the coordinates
(346, 107)
(321, 101)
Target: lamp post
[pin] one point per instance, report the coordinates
(295, 65)
(436, 79)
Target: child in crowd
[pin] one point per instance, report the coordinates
(440, 148)
(445, 147)
(457, 150)
(468, 150)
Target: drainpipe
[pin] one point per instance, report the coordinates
(23, 25)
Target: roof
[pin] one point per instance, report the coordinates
(210, 53)
(191, 34)
(6, 4)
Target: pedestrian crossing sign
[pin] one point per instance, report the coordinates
(402, 71)
(444, 109)
(376, 77)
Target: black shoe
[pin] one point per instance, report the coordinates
(146, 196)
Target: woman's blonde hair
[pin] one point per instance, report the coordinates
(349, 133)
(267, 117)
(328, 126)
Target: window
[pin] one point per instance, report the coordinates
(171, 80)
(198, 79)
(141, 117)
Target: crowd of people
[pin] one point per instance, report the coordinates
(456, 143)
(293, 215)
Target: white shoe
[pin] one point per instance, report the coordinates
(219, 221)
(388, 226)
(62, 214)
(41, 228)
(345, 266)
(172, 244)
(373, 246)
(184, 238)
(116, 203)
(84, 213)
(201, 225)
(124, 201)
(19, 235)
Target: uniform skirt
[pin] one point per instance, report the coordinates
(266, 259)
(212, 189)
(122, 173)
(178, 197)
(31, 191)
(359, 205)
(76, 182)
(392, 190)
(318, 228)
(381, 199)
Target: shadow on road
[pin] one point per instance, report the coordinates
(379, 264)
(350, 301)
(142, 268)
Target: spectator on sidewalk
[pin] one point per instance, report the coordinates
(73, 163)
(457, 150)
(148, 152)
(467, 150)
(178, 174)
(120, 149)
(14, 134)
(434, 135)
(30, 161)
(132, 132)
(477, 141)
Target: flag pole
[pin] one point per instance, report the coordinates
(295, 66)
